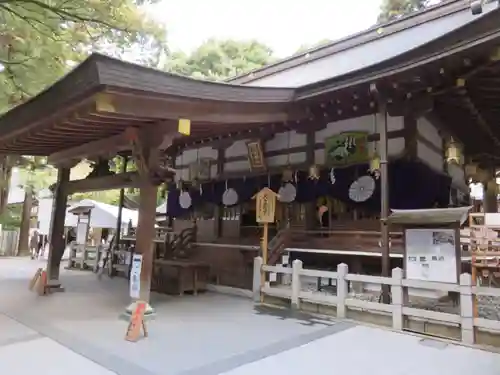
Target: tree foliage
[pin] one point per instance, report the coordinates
(220, 59)
(41, 39)
(394, 9)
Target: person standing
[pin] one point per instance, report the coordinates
(34, 245)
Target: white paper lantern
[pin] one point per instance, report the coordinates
(287, 193)
(362, 189)
(230, 197)
(185, 200)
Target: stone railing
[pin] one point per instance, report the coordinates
(465, 322)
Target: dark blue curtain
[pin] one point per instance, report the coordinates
(412, 185)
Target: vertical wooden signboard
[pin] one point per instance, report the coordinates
(265, 211)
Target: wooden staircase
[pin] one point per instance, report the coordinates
(277, 246)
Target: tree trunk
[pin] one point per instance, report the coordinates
(23, 248)
(5, 174)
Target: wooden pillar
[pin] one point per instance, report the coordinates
(56, 239)
(310, 207)
(384, 201)
(23, 247)
(490, 194)
(145, 234)
(221, 155)
(121, 200)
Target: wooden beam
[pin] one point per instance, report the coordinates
(106, 146)
(109, 105)
(116, 181)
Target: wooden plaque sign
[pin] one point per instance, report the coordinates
(256, 155)
(35, 278)
(265, 205)
(136, 323)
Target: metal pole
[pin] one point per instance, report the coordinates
(384, 202)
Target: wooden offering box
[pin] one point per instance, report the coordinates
(179, 276)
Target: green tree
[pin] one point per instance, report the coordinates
(41, 39)
(220, 59)
(394, 9)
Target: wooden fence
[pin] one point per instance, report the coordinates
(8, 242)
(397, 309)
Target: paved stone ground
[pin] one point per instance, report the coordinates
(205, 334)
(197, 335)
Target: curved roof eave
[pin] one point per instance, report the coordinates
(482, 32)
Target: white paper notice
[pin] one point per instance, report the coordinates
(431, 255)
(135, 276)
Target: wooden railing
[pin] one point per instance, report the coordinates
(466, 321)
(343, 239)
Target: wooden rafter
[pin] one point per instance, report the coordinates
(97, 148)
(117, 181)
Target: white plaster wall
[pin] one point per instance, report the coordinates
(286, 140)
(429, 132)
(425, 153)
(430, 157)
(188, 157)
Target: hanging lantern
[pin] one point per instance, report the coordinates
(375, 166)
(454, 154)
(313, 172)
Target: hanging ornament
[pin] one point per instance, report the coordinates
(362, 189)
(332, 176)
(375, 166)
(313, 172)
(230, 197)
(287, 193)
(185, 200)
(454, 154)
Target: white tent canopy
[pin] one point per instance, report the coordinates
(103, 215)
(162, 208)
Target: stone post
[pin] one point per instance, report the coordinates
(397, 299)
(257, 269)
(342, 289)
(296, 284)
(467, 309)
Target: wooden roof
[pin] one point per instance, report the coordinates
(103, 96)
(100, 98)
(417, 28)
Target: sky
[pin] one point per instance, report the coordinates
(282, 25)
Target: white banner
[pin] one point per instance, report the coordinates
(135, 276)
